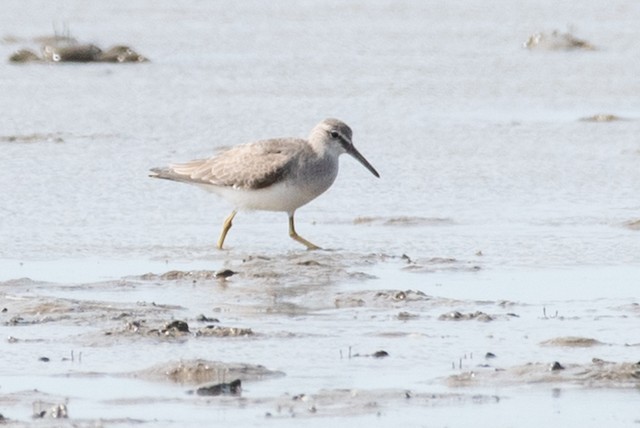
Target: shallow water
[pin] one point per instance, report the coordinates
(495, 198)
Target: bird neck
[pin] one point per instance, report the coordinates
(317, 140)
(321, 147)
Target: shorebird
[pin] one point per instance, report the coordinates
(280, 174)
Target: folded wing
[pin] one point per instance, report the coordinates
(249, 166)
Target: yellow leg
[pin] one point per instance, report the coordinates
(225, 228)
(300, 239)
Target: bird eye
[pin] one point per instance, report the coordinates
(334, 134)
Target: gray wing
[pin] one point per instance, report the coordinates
(249, 166)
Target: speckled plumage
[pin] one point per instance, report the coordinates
(249, 166)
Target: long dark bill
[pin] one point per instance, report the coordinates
(356, 154)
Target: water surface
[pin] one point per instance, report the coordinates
(495, 197)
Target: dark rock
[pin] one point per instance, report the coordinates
(120, 53)
(71, 53)
(232, 388)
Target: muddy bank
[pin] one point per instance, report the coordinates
(67, 49)
(557, 41)
(597, 374)
(312, 335)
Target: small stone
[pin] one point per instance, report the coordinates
(202, 318)
(224, 274)
(177, 325)
(232, 388)
(406, 316)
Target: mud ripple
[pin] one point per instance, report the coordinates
(290, 270)
(199, 371)
(353, 402)
(602, 118)
(557, 41)
(55, 137)
(459, 316)
(176, 329)
(633, 224)
(380, 298)
(404, 221)
(34, 310)
(572, 342)
(597, 374)
(438, 264)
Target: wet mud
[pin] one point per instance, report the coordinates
(56, 137)
(572, 341)
(403, 221)
(196, 372)
(557, 41)
(66, 49)
(264, 304)
(633, 224)
(602, 118)
(597, 374)
(491, 271)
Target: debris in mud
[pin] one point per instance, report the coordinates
(572, 341)
(633, 224)
(43, 410)
(556, 366)
(349, 302)
(16, 320)
(219, 331)
(199, 371)
(119, 54)
(545, 316)
(557, 41)
(300, 397)
(133, 326)
(406, 258)
(72, 358)
(301, 269)
(378, 354)
(597, 374)
(601, 118)
(309, 263)
(438, 264)
(404, 221)
(203, 318)
(178, 275)
(224, 274)
(353, 402)
(175, 326)
(459, 316)
(178, 328)
(404, 316)
(407, 295)
(67, 49)
(405, 299)
(32, 138)
(233, 388)
(172, 329)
